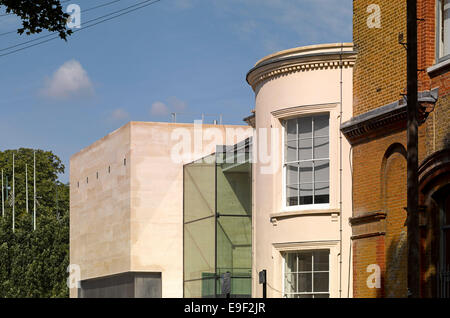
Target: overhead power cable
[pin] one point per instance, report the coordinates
(100, 20)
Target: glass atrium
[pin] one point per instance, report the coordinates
(218, 223)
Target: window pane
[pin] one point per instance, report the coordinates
(292, 195)
(291, 151)
(321, 126)
(306, 175)
(321, 260)
(292, 174)
(306, 194)
(446, 27)
(305, 149)
(305, 261)
(291, 263)
(291, 129)
(290, 283)
(321, 148)
(320, 282)
(322, 193)
(305, 127)
(322, 171)
(305, 283)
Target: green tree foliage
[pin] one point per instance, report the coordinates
(34, 263)
(37, 15)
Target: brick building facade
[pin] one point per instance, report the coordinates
(378, 137)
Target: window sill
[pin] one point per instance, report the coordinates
(300, 213)
(438, 66)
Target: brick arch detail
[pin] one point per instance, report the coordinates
(393, 191)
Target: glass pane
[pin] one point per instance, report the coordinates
(305, 149)
(291, 129)
(292, 174)
(290, 283)
(234, 239)
(305, 127)
(305, 261)
(321, 124)
(199, 288)
(321, 260)
(446, 27)
(306, 169)
(292, 195)
(291, 263)
(320, 282)
(322, 193)
(306, 194)
(199, 249)
(321, 148)
(199, 189)
(234, 189)
(322, 171)
(241, 287)
(304, 283)
(291, 151)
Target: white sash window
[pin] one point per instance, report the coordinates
(307, 161)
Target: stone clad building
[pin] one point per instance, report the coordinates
(126, 207)
(378, 138)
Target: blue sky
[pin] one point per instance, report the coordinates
(188, 56)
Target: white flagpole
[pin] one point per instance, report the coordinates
(34, 190)
(14, 200)
(26, 186)
(3, 200)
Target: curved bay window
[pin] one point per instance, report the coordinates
(307, 161)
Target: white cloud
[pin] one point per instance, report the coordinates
(159, 109)
(119, 114)
(68, 81)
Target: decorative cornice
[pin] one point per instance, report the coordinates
(278, 66)
(387, 118)
(297, 110)
(251, 120)
(285, 215)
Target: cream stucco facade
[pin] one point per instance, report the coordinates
(290, 84)
(126, 199)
